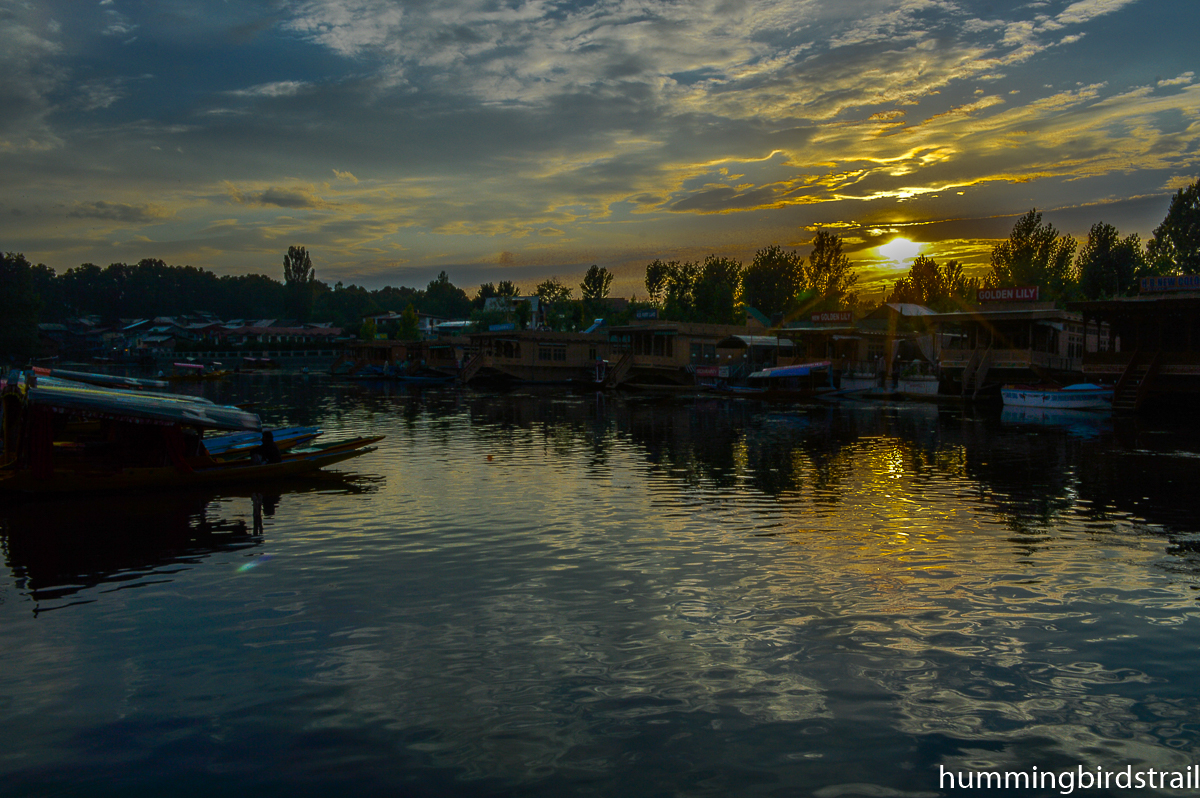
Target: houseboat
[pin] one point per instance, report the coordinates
(536, 357)
(981, 350)
(1147, 346)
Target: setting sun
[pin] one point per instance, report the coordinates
(900, 249)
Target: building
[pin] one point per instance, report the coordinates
(1148, 346)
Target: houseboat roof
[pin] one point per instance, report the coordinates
(1188, 299)
(1026, 314)
(799, 370)
(755, 340)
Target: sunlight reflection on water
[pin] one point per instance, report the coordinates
(576, 595)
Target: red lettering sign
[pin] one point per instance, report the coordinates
(833, 317)
(1024, 293)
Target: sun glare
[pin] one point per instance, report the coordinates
(900, 250)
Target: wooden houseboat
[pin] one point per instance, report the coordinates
(665, 354)
(1147, 346)
(536, 356)
(981, 350)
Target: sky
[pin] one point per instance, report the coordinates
(503, 139)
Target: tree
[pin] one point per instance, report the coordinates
(672, 286)
(1108, 265)
(828, 278)
(773, 280)
(367, 331)
(1034, 254)
(552, 291)
(595, 285)
(941, 288)
(298, 278)
(507, 288)
(555, 296)
(444, 299)
(1175, 247)
(717, 289)
(18, 322)
(409, 325)
(486, 291)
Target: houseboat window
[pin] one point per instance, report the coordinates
(560, 353)
(660, 345)
(592, 353)
(544, 353)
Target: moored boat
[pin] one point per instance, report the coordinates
(62, 437)
(1082, 396)
(796, 383)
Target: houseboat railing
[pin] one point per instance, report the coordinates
(617, 373)
(472, 368)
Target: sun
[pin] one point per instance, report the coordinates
(900, 250)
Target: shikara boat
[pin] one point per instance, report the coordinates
(236, 445)
(798, 383)
(1082, 396)
(197, 372)
(61, 437)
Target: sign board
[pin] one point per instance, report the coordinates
(647, 313)
(708, 371)
(1024, 293)
(833, 317)
(1182, 282)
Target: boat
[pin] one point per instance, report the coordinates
(258, 364)
(796, 383)
(1081, 396)
(101, 380)
(61, 437)
(236, 445)
(196, 372)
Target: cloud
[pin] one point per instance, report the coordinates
(295, 197)
(281, 88)
(117, 212)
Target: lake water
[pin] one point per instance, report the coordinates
(554, 594)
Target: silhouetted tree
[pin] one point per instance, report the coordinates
(298, 278)
(941, 288)
(443, 298)
(19, 319)
(1034, 254)
(596, 284)
(773, 280)
(828, 279)
(1108, 265)
(1175, 247)
(716, 291)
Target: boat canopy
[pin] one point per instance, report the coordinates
(105, 380)
(800, 370)
(137, 407)
(193, 366)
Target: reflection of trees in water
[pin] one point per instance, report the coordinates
(1035, 475)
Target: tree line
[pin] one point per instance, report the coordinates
(777, 282)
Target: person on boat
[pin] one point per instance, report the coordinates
(268, 451)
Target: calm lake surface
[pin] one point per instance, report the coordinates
(553, 594)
